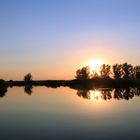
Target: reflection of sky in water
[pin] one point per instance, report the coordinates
(61, 114)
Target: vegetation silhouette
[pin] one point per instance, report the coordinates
(83, 73)
(127, 71)
(137, 72)
(28, 77)
(117, 71)
(107, 94)
(84, 93)
(115, 76)
(105, 71)
(3, 88)
(126, 93)
(28, 90)
(119, 81)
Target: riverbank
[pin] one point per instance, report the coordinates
(76, 83)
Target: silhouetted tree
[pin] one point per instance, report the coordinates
(28, 77)
(3, 88)
(137, 72)
(105, 71)
(95, 75)
(83, 73)
(117, 71)
(127, 71)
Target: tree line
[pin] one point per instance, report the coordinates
(117, 71)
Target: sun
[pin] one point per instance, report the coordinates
(94, 65)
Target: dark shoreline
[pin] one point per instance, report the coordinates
(123, 89)
(75, 84)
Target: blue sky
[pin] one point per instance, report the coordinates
(42, 36)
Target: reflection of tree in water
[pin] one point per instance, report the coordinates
(28, 89)
(84, 93)
(136, 91)
(107, 94)
(3, 91)
(95, 94)
(126, 93)
(3, 88)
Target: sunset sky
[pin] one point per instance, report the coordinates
(53, 38)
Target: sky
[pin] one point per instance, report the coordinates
(53, 38)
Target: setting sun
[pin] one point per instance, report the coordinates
(94, 65)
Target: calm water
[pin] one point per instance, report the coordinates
(65, 113)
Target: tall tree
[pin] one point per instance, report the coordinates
(105, 71)
(117, 71)
(94, 74)
(137, 72)
(83, 73)
(28, 77)
(127, 71)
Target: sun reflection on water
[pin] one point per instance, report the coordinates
(95, 94)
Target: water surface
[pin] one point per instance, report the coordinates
(65, 113)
